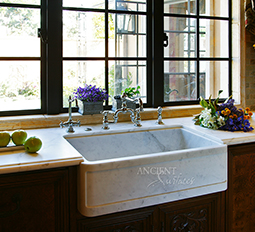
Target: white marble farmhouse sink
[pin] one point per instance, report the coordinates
(145, 166)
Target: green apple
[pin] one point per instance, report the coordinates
(4, 138)
(33, 144)
(19, 137)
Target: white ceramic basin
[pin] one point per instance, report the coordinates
(145, 166)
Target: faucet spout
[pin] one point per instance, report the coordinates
(123, 110)
(134, 114)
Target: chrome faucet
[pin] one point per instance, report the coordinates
(159, 121)
(135, 114)
(70, 123)
(105, 119)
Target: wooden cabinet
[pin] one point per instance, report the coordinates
(130, 221)
(47, 201)
(192, 215)
(34, 201)
(241, 190)
(205, 213)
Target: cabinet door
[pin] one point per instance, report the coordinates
(241, 189)
(130, 221)
(34, 201)
(194, 215)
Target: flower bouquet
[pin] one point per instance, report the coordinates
(90, 99)
(223, 116)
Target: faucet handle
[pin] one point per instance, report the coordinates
(159, 121)
(124, 101)
(105, 119)
(138, 118)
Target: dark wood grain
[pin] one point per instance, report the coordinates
(131, 221)
(241, 189)
(42, 204)
(198, 214)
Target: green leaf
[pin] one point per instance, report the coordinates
(203, 102)
(210, 101)
(213, 110)
(197, 123)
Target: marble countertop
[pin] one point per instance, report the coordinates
(57, 152)
(227, 137)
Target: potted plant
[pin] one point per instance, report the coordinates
(90, 99)
(131, 92)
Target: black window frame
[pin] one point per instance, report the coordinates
(52, 54)
(197, 59)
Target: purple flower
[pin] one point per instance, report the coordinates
(90, 94)
(237, 123)
(234, 119)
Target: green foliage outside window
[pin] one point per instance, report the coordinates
(99, 24)
(19, 21)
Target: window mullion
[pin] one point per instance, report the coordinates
(149, 52)
(54, 57)
(157, 53)
(230, 48)
(198, 50)
(43, 56)
(106, 47)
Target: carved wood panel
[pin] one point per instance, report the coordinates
(195, 220)
(241, 191)
(200, 214)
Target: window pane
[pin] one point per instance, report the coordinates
(20, 85)
(214, 38)
(181, 34)
(36, 2)
(214, 7)
(180, 81)
(79, 73)
(127, 37)
(206, 7)
(83, 34)
(99, 4)
(18, 32)
(124, 74)
(135, 5)
(216, 78)
(180, 6)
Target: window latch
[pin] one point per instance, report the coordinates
(165, 39)
(42, 35)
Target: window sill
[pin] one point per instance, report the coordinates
(47, 121)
